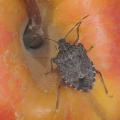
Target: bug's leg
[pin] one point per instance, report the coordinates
(57, 97)
(51, 64)
(90, 48)
(78, 35)
(102, 80)
(58, 94)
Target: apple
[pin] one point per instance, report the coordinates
(26, 93)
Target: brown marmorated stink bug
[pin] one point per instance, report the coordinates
(74, 65)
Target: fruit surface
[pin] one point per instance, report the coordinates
(24, 97)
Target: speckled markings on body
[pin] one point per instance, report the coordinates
(75, 67)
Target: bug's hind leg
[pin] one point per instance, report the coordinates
(102, 80)
(51, 63)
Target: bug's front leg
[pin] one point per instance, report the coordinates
(51, 63)
(60, 84)
(52, 68)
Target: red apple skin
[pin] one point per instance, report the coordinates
(12, 20)
(20, 96)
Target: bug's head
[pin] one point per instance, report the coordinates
(63, 45)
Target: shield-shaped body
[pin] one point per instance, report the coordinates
(75, 67)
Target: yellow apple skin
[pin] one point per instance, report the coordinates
(22, 98)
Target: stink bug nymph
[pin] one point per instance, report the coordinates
(74, 65)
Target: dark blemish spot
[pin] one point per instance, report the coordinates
(31, 37)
